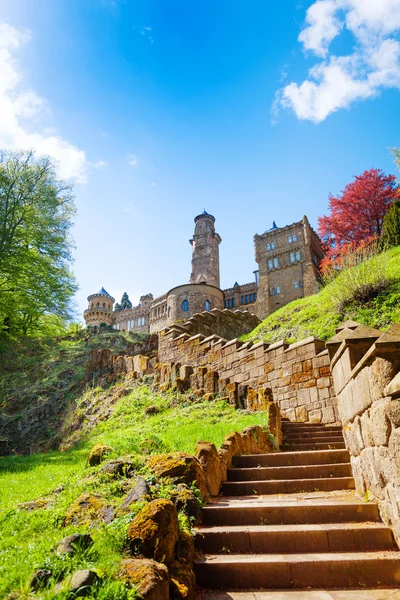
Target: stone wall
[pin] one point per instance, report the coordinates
(297, 377)
(365, 366)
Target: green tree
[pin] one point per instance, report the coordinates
(125, 302)
(391, 226)
(396, 154)
(36, 215)
(117, 307)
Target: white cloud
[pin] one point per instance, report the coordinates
(338, 81)
(20, 109)
(133, 160)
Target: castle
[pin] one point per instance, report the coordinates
(288, 266)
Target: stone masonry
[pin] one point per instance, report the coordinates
(366, 371)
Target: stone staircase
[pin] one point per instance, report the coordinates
(292, 521)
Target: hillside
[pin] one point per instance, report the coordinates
(130, 416)
(319, 315)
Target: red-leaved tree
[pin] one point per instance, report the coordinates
(357, 215)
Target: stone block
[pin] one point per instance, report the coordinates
(380, 425)
(353, 437)
(323, 382)
(381, 374)
(357, 474)
(301, 414)
(393, 387)
(328, 415)
(394, 412)
(315, 416)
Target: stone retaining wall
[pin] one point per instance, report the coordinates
(365, 365)
(296, 376)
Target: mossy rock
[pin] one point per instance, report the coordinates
(185, 548)
(182, 467)
(88, 509)
(97, 454)
(154, 531)
(186, 501)
(149, 577)
(183, 581)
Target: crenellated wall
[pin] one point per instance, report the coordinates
(296, 376)
(366, 371)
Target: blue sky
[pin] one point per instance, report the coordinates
(158, 109)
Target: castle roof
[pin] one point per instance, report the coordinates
(101, 292)
(203, 215)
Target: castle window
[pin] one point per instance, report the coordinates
(229, 303)
(296, 285)
(275, 291)
(185, 305)
(233, 302)
(295, 257)
(247, 299)
(270, 264)
(207, 305)
(255, 297)
(292, 239)
(251, 298)
(241, 299)
(271, 246)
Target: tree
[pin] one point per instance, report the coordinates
(391, 226)
(396, 153)
(125, 302)
(36, 215)
(357, 215)
(117, 307)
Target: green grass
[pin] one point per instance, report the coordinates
(319, 315)
(26, 538)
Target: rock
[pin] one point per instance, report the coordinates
(39, 579)
(185, 500)
(151, 410)
(393, 388)
(154, 531)
(37, 504)
(185, 548)
(394, 412)
(98, 453)
(118, 468)
(183, 581)
(209, 460)
(78, 585)
(182, 467)
(140, 492)
(88, 509)
(74, 542)
(379, 422)
(150, 578)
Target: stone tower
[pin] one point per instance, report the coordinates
(100, 309)
(205, 251)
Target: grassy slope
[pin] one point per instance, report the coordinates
(317, 315)
(26, 538)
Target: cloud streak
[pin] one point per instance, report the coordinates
(20, 109)
(336, 82)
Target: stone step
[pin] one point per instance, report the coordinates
(314, 446)
(317, 457)
(312, 434)
(338, 594)
(297, 472)
(308, 427)
(286, 486)
(311, 439)
(255, 512)
(288, 539)
(299, 571)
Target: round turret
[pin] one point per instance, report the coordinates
(204, 215)
(100, 309)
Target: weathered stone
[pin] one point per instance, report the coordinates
(394, 412)
(150, 578)
(182, 467)
(381, 374)
(118, 468)
(77, 585)
(380, 423)
(154, 531)
(183, 583)
(353, 437)
(73, 543)
(301, 414)
(393, 387)
(98, 454)
(315, 416)
(185, 500)
(39, 579)
(209, 460)
(88, 509)
(140, 492)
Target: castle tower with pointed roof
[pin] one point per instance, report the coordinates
(205, 251)
(100, 308)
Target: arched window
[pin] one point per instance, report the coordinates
(207, 305)
(185, 305)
